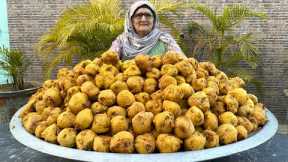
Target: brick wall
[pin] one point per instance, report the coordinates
(29, 19)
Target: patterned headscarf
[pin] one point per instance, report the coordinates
(132, 43)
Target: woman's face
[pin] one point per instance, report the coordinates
(142, 21)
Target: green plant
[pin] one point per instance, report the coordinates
(87, 30)
(13, 62)
(221, 45)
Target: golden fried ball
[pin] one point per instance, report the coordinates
(246, 123)
(142, 122)
(145, 143)
(50, 134)
(83, 78)
(154, 73)
(184, 127)
(30, 121)
(97, 107)
(90, 89)
(110, 57)
(156, 61)
(118, 86)
(164, 122)
(210, 121)
(116, 110)
(142, 97)
(201, 73)
(132, 70)
(119, 123)
(83, 119)
(180, 79)
(40, 105)
(78, 102)
(232, 103)
(108, 69)
(212, 95)
(228, 117)
(212, 138)
(259, 114)
(135, 108)
(122, 142)
(166, 143)
(246, 109)
(218, 108)
(144, 62)
(150, 85)
(240, 94)
(171, 57)
(101, 143)
(41, 126)
(52, 96)
(107, 97)
(157, 95)
(187, 89)
(91, 69)
(253, 98)
(65, 120)
(242, 132)
(199, 84)
(199, 99)
(67, 137)
(195, 115)
(84, 139)
(196, 141)
(166, 80)
(125, 98)
(191, 78)
(185, 68)
(169, 69)
(173, 93)
(101, 123)
(227, 133)
(135, 84)
(154, 106)
(172, 107)
(53, 115)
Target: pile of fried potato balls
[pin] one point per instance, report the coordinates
(145, 105)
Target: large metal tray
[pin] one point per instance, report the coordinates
(257, 138)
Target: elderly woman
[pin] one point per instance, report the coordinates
(142, 34)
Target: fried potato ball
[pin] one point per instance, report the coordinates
(212, 138)
(227, 133)
(242, 132)
(201, 73)
(260, 114)
(166, 80)
(108, 69)
(84, 139)
(142, 97)
(101, 123)
(164, 122)
(154, 106)
(187, 89)
(157, 95)
(171, 57)
(122, 142)
(53, 115)
(228, 117)
(240, 94)
(210, 121)
(154, 73)
(110, 57)
(50, 134)
(52, 96)
(144, 62)
(212, 95)
(119, 123)
(195, 115)
(142, 122)
(118, 86)
(101, 143)
(135, 84)
(180, 79)
(132, 70)
(83, 119)
(191, 78)
(246, 123)
(115, 111)
(232, 103)
(184, 127)
(253, 98)
(173, 93)
(185, 68)
(172, 107)
(169, 69)
(91, 69)
(40, 105)
(246, 109)
(156, 61)
(107, 97)
(145, 143)
(90, 89)
(41, 126)
(166, 143)
(218, 108)
(65, 119)
(67, 137)
(150, 85)
(83, 78)
(134, 109)
(201, 100)
(97, 107)
(78, 102)
(199, 84)
(196, 141)
(30, 121)
(125, 98)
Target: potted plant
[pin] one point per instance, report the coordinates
(15, 92)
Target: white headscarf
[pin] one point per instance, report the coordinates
(132, 43)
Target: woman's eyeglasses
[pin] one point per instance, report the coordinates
(138, 16)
